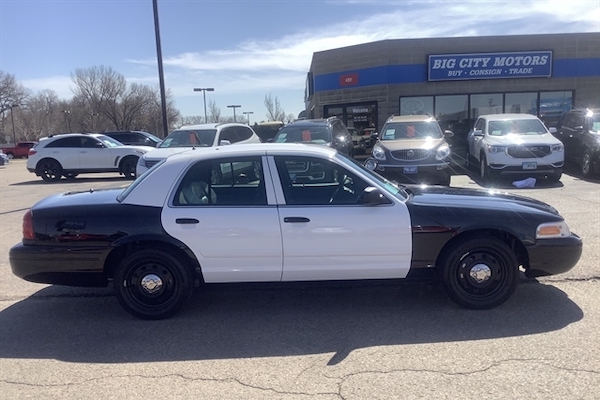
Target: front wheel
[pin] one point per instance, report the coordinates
(480, 273)
(50, 170)
(152, 284)
(128, 167)
(485, 172)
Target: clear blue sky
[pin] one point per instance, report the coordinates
(245, 49)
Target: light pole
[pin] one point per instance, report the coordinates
(248, 114)
(234, 107)
(204, 90)
(92, 115)
(12, 119)
(68, 119)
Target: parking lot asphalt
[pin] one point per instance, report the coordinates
(362, 342)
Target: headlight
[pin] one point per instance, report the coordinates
(378, 153)
(551, 230)
(141, 161)
(496, 149)
(558, 147)
(371, 164)
(443, 152)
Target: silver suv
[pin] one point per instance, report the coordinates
(412, 149)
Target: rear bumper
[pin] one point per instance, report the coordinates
(70, 266)
(553, 256)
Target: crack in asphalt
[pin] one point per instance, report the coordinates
(341, 379)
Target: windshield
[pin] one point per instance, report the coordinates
(308, 134)
(189, 138)
(411, 130)
(109, 142)
(519, 126)
(595, 123)
(392, 188)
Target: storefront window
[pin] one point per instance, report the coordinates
(525, 103)
(452, 113)
(416, 105)
(482, 104)
(359, 115)
(554, 105)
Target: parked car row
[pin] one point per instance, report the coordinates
(409, 149)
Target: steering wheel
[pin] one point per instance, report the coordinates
(338, 187)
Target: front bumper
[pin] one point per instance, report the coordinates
(553, 256)
(59, 265)
(415, 173)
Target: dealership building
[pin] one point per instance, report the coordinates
(455, 79)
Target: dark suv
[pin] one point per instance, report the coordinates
(329, 132)
(579, 130)
(134, 138)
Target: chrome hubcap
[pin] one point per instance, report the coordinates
(151, 283)
(480, 273)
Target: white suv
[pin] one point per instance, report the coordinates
(514, 144)
(71, 154)
(203, 135)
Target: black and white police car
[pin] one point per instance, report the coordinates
(283, 213)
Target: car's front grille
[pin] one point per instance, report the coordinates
(411, 154)
(528, 151)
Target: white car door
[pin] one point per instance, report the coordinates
(221, 212)
(327, 234)
(95, 155)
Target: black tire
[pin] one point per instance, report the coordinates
(128, 167)
(485, 171)
(586, 164)
(480, 273)
(49, 169)
(152, 284)
(468, 163)
(555, 177)
(70, 176)
(446, 180)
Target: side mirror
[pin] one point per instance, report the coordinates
(552, 130)
(477, 132)
(448, 133)
(99, 145)
(224, 142)
(373, 197)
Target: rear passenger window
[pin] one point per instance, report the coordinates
(225, 182)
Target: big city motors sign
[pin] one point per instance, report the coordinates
(533, 64)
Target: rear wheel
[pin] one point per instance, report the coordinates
(128, 167)
(480, 273)
(152, 284)
(49, 169)
(586, 164)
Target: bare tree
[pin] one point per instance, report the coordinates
(11, 92)
(274, 110)
(214, 112)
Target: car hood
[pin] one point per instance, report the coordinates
(517, 139)
(403, 144)
(135, 148)
(464, 198)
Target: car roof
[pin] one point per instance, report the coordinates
(210, 126)
(255, 149)
(411, 118)
(63, 135)
(306, 122)
(507, 116)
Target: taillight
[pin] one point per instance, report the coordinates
(31, 152)
(28, 232)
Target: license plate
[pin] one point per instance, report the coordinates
(529, 165)
(410, 170)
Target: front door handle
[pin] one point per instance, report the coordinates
(296, 219)
(186, 221)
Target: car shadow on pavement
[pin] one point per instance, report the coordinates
(224, 322)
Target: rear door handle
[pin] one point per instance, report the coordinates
(186, 221)
(295, 219)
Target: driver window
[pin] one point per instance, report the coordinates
(315, 181)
